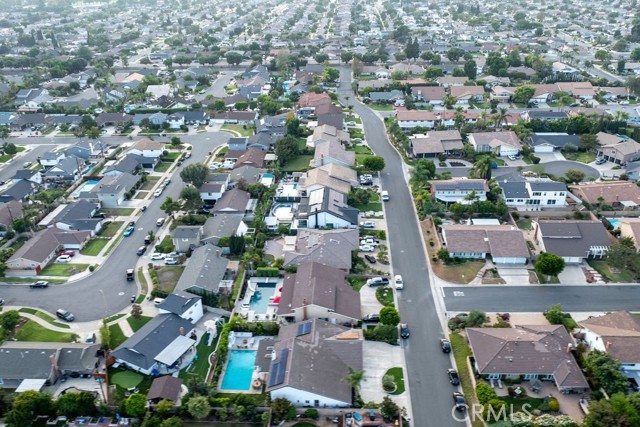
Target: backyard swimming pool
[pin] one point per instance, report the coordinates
(261, 298)
(615, 222)
(86, 187)
(239, 370)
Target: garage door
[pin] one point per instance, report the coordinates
(543, 149)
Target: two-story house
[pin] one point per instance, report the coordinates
(464, 191)
(534, 195)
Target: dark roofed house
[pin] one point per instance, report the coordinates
(186, 306)
(113, 119)
(548, 142)
(537, 352)
(504, 243)
(331, 349)
(79, 216)
(545, 115)
(166, 387)
(186, 237)
(459, 190)
(232, 201)
(327, 247)
(534, 195)
(220, 226)
(574, 240)
(248, 173)
(207, 270)
(235, 117)
(43, 247)
(19, 191)
(318, 291)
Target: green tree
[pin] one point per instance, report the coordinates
(9, 148)
(618, 412)
(358, 196)
(164, 407)
(282, 409)
(233, 58)
(549, 264)
(191, 198)
(633, 83)
(105, 337)
(169, 206)
(588, 141)
(346, 57)
(621, 65)
(321, 58)
(602, 55)
(28, 405)
(455, 53)
(236, 244)
(523, 94)
(574, 175)
(433, 72)
(286, 149)
(9, 320)
(471, 69)
(482, 168)
(389, 316)
(354, 378)
(373, 163)
(171, 422)
(423, 171)
(412, 49)
(606, 371)
(198, 407)
(620, 45)
(555, 315)
(485, 393)
(136, 311)
(136, 405)
(195, 174)
(635, 54)
(175, 141)
(475, 319)
(331, 74)
(75, 404)
(388, 408)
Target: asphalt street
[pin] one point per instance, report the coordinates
(426, 364)
(557, 167)
(107, 291)
(597, 298)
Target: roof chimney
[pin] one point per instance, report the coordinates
(182, 331)
(54, 362)
(608, 346)
(218, 253)
(304, 309)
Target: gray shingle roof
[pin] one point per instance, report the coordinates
(573, 238)
(220, 226)
(205, 269)
(178, 304)
(186, 232)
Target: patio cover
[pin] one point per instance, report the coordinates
(30, 384)
(175, 350)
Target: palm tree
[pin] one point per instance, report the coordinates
(354, 378)
(458, 118)
(482, 168)
(501, 117)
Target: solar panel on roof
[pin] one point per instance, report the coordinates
(303, 329)
(278, 369)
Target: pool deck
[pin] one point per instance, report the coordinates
(245, 310)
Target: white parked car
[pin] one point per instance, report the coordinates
(366, 248)
(63, 258)
(369, 241)
(157, 256)
(398, 281)
(228, 165)
(215, 165)
(368, 224)
(158, 192)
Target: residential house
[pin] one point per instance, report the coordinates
(501, 93)
(196, 117)
(175, 120)
(544, 115)
(161, 346)
(332, 175)
(579, 90)
(318, 291)
(463, 191)
(158, 91)
(617, 149)
(326, 133)
(618, 335)
(213, 188)
(618, 194)
(19, 191)
(313, 100)
(332, 152)
(186, 237)
(630, 227)
(332, 350)
(505, 244)
(206, 271)
(410, 119)
(632, 169)
(67, 169)
(386, 97)
(130, 164)
(531, 351)
(435, 143)
(43, 248)
(547, 142)
(564, 71)
(325, 207)
(111, 190)
(9, 211)
(167, 388)
(330, 114)
(146, 147)
(113, 119)
(505, 143)
(534, 194)
(29, 175)
(235, 117)
(32, 365)
(467, 94)
(188, 307)
(78, 216)
(234, 201)
(448, 81)
(51, 158)
(247, 173)
(219, 226)
(87, 150)
(327, 247)
(253, 157)
(433, 95)
(574, 241)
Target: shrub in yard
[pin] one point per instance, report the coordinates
(311, 413)
(384, 333)
(485, 393)
(515, 216)
(554, 405)
(388, 383)
(267, 272)
(494, 409)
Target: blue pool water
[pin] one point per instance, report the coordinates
(260, 299)
(239, 370)
(86, 187)
(615, 222)
(267, 175)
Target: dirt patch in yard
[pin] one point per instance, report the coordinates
(168, 277)
(492, 277)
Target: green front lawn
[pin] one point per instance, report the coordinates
(381, 107)
(371, 206)
(6, 157)
(150, 183)
(110, 229)
(239, 129)
(461, 351)
(582, 157)
(524, 224)
(126, 379)
(299, 163)
(64, 270)
(138, 323)
(94, 246)
(118, 211)
(611, 274)
(32, 331)
(44, 316)
(357, 282)
(200, 366)
(116, 336)
(114, 317)
(398, 378)
(384, 295)
(163, 166)
(361, 149)
(171, 156)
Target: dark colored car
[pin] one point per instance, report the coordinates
(459, 402)
(445, 345)
(144, 208)
(39, 284)
(1, 301)
(130, 274)
(65, 315)
(370, 258)
(453, 376)
(132, 223)
(372, 318)
(141, 250)
(404, 331)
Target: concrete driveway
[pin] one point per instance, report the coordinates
(514, 275)
(572, 275)
(368, 301)
(550, 157)
(378, 358)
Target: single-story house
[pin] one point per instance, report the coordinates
(318, 291)
(111, 191)
(233, 202)
(43, 248)
(254, 157)
(467, 94)
(235, 117)
(618, 194)
(67, 169)
(219, 226)
(574, 241)
(327, 247)
(434, 95)
(207, 270)
(332, 175)
(166, 387)
(505, 143)
(78, 216)
(544, 115)
(9, 211)
(547, 142)
(146, 147)
(435, 143)
(534, 351)
(630, 227)
(504, 243)
(332, 152)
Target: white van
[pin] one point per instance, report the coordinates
(385, 196)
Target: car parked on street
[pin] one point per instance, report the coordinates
(39, 284)
(130, 273)
(141, 250)
(459, 402)
(445, 345)
(65, 315)
(399, 283)
(454, 379)
(129, 231)
(404, 331)
(159, 222)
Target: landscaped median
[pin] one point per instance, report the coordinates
(44, 316)
(64, 270)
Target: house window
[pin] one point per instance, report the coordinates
(537, 193)
(530, 376)
(551, 202)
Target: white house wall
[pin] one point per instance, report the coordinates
(304, 398)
